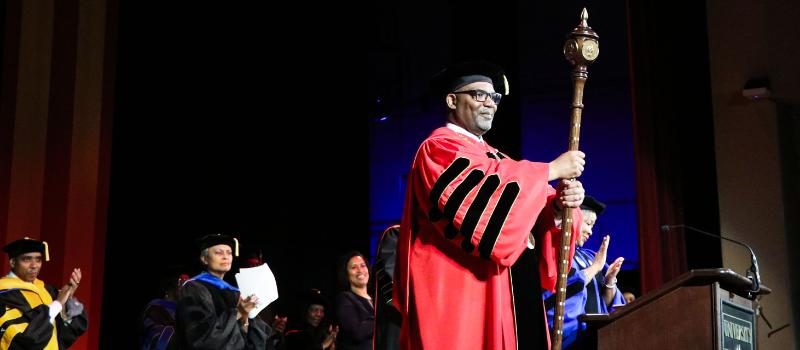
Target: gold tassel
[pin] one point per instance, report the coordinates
(46, 252)
(505, 83)
(236, 249)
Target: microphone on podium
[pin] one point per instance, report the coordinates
(752, 273)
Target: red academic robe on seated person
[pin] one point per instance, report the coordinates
(468, 213)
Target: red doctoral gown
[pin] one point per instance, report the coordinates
(468, 213)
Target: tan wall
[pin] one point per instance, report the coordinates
(747, 40)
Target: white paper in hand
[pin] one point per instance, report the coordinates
(260, 281)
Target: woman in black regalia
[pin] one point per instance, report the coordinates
(211, 314)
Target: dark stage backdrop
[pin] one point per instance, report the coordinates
(226, 122)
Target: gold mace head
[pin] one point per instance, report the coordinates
(582, 47)
(584, 17)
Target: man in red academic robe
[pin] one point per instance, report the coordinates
(470, 212)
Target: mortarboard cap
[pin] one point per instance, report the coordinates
(251, 255)
(590, 203)
(217, 239)
(314, 297)
(459, 74)
(27, 245)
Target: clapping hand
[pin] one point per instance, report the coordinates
(69, 289)
(246, 305)
(613, 270)
(330, 342)
(600, 260)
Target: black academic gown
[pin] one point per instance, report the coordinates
(158, 321)
(387, 318)
(310, 338)
(27, 326)
(206, 320)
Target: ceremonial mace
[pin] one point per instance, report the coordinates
(581, 49)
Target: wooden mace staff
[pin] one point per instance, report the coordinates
(581, 49)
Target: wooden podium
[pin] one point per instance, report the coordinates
(701, 309)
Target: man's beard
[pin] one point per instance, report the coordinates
(484, 119)
(483, 124)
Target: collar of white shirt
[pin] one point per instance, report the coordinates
(463, 131)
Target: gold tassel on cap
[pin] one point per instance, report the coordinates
(236, 249)
(46, 250)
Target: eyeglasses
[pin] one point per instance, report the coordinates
(480, 95)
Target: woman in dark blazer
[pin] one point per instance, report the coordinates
(354, 308)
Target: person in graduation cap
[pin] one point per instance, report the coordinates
(158, 317)
(591, 283)
(312, 331)
(211, 314)
(37, 316)
(470, 213)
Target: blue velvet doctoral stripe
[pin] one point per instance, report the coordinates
(214, 281)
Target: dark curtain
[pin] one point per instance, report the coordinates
(673, 139)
